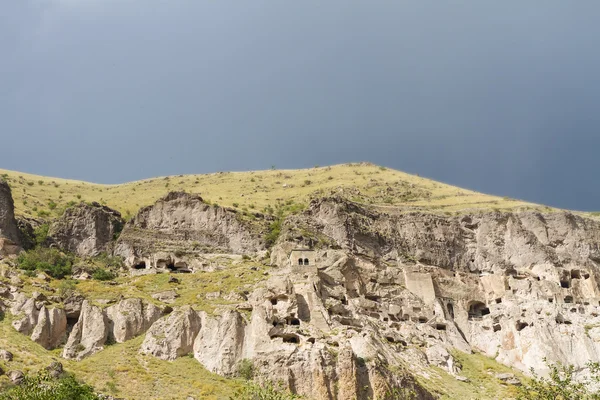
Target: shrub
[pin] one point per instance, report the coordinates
(41, 234)
(266, 391)
(236, 205)
(245, 369)
(66, 288)
(274, 231)
(101, 274)
(43, 387)
(52, 205)
(562, 385)
(50, 261)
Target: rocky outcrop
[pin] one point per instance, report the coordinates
(131, 317)
(485, 242)
(9, 232)
(173, 233)
(173, 335)
(116, 324)
(87, 229)
(51, 327)
(46, 326)
(219, 345)
(520, 287)
(89, 334)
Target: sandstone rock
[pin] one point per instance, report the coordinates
(219, 344)
(51, 328)
(86, 229)
(130, 318)
(88, 335)
(509, 379)
(172, 336)
(16, 377)
(72, 305)
(55, 369)
(168, 296)
(180, 226)
(9, 232)
(28, 311)
(6, 355)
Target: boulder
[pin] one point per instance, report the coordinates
(6, 355)
(86, 229)
(131, 317)
(219, 345)
(173, 336)
(51, 327)
(16, 377)
(89, 334)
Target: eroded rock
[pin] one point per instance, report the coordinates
(87, 229)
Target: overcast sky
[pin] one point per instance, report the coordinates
(498, 96)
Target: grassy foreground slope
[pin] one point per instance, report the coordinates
(39, 196)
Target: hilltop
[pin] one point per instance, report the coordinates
(255, 191)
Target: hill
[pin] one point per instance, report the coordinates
(39, 196)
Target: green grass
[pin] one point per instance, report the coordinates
(481, 371)
(120, 370)
(257, 190)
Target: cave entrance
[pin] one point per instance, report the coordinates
(140, 265)
(179, 267)
(477, 310)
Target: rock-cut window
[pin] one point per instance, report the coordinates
(299, 261)
(306, 261)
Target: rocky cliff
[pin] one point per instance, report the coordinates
(358, 301)
(9, 232)
(87, 229)
(175, 233)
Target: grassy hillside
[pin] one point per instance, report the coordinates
(39, 196)
(121, 371)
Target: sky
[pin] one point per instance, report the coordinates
(497, 96)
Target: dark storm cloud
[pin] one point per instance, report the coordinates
(501, 97)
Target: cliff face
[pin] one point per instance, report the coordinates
(175, 231)
(87, 230)
(355, 295)
(9, 232)
(520, 287)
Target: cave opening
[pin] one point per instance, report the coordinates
(521, 325)
(140, 265)
(478, 309)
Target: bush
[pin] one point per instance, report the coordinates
(44, 387)
(562, 385)
(101, 274)
(50, 261)
(245, 369)
(267, 391)
(41, 234)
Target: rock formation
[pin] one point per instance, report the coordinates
(354, 294)
(86, 229)
(95, 327)
(9, 232)
(177, 229)
(173, 335)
